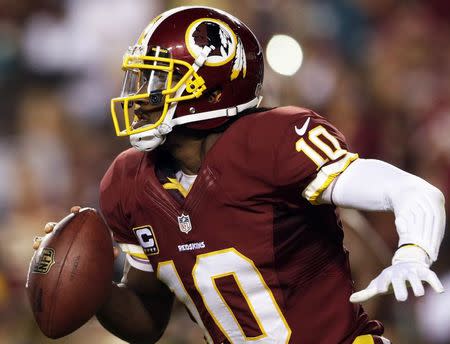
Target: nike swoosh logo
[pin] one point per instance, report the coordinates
(302, 130)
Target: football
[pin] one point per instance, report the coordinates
(70, 275)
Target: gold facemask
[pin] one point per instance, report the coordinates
(152, 81)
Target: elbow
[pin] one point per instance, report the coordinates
(149, 336)
(147, 339)
(438, 196)
(434, 195)
(414, 190)
(155, 336)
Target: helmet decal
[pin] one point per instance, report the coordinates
(213, 33)
(240, 62)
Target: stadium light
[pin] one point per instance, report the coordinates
(284, 54)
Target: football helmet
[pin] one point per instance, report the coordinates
(194, 66)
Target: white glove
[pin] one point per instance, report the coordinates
(410, 266)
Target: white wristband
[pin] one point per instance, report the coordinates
(409, 253)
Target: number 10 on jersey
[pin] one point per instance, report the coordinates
(333, 152)
(212, 266)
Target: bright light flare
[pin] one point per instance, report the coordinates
(284, 54)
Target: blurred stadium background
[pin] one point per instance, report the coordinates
(379, 70)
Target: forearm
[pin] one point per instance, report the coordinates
(377, 186)
(418, 206)
(127, 316)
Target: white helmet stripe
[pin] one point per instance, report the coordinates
(150, 29)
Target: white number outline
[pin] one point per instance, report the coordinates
(167, 272)
(250, 306)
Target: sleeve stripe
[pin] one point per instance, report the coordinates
(140, 264)
(133, 250)
(364, 339)
(325, 176)
(137, 255)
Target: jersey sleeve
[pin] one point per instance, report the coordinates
(113, 198)
(310, 154)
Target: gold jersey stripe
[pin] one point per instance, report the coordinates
(325, 176)
(365, 339)
(175, 185)
(138, 255)
(133, 250)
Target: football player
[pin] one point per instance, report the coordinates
(231, 208)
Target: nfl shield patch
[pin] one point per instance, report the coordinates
(184, 223)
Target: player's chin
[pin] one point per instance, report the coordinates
(140, 123)
(146, 118)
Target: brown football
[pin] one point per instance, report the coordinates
(70, 275)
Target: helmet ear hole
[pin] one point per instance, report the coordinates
(214, 95)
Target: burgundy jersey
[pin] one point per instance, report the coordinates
(248, 251)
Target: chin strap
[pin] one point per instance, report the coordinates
(149, 140)
(228, 112)
(199, 61)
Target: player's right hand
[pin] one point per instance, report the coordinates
(50, 226)
(410, 268)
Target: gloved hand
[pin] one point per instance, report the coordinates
(410, 266)
(50, 226)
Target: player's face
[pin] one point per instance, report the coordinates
(145, 113)
(148, 110)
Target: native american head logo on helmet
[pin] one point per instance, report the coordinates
(209, 33)
(192, 66)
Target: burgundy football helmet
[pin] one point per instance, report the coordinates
(194, 66)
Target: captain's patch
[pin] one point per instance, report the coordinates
(147, 239)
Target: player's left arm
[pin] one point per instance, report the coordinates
(373, 185)
(138, 309)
